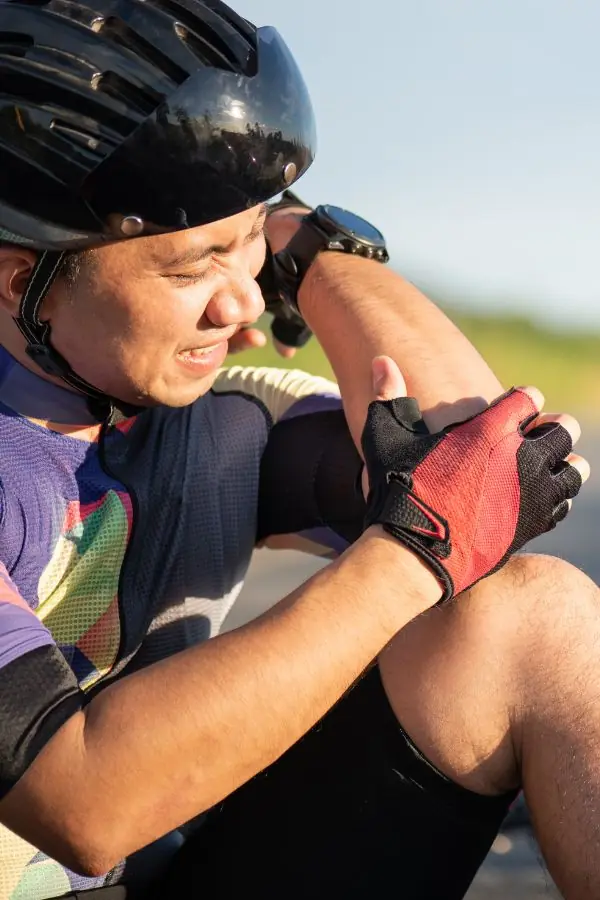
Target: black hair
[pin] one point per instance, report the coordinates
(71, 266)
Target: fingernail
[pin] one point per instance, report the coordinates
(378, 381)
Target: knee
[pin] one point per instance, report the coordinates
(536, 593)
(545, 579)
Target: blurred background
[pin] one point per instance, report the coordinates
(469, 132)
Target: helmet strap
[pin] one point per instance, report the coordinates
(38, 333)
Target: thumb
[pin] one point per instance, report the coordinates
(388, 381)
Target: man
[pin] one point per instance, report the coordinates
(132, 499)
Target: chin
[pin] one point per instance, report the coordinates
(180, 395)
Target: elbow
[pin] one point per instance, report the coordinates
(90, 866)
(87, 867)
(94, 858)
(99, 850)
(90, 853)
(86, 845)
(90, 861)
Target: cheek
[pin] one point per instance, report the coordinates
(167, 316)
(80, 321)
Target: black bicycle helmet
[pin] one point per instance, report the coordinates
(124, 118)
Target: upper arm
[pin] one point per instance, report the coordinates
(309, 497)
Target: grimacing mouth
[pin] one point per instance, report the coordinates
(219, 338)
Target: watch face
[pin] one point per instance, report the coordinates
(358, 228)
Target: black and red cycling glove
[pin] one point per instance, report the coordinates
(468, 497)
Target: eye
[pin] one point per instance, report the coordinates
(183, 280)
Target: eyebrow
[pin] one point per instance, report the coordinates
(199, 254)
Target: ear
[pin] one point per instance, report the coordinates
(16, 264)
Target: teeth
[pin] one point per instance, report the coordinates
(195, 352)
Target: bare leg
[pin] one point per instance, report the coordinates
(502, 688)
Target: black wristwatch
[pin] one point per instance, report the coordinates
(327, 228)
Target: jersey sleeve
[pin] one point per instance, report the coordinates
(310, 496)
(38, 690)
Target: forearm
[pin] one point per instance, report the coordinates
(360, 309)
(166, 743)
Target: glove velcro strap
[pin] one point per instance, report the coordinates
(418, 527)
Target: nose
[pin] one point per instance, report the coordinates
(238, 302)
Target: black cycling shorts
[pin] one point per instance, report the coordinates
(353, 810)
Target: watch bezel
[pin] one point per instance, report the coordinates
(324, 216)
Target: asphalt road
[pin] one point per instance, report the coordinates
(514, 868)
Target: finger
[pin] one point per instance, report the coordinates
(284, 350)
(247, 339)
(568, 477)
(237, 344)
(254, 337)
(568, 422)
(535, 395)
(553, 443)
(512, 411)
(364, 480)
(561, 512)
(567, 482)
(581, 464)
(388, 381)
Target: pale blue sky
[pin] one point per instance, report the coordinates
(469, 131)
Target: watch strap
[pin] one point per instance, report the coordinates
(296, 259)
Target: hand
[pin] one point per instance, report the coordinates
(254, 339)
(468, 497)
(281, 226)
(388, 382)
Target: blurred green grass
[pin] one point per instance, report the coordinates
(564, 365)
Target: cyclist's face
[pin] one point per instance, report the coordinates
(150, 321)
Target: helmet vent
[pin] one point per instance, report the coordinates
(116, 30)
(14, 44)
(202, 49)
(245, 28)
(215, 41)
(143, 100)
(75, 135)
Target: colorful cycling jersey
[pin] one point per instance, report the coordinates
(123, 544)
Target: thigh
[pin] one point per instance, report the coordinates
(351, 809)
